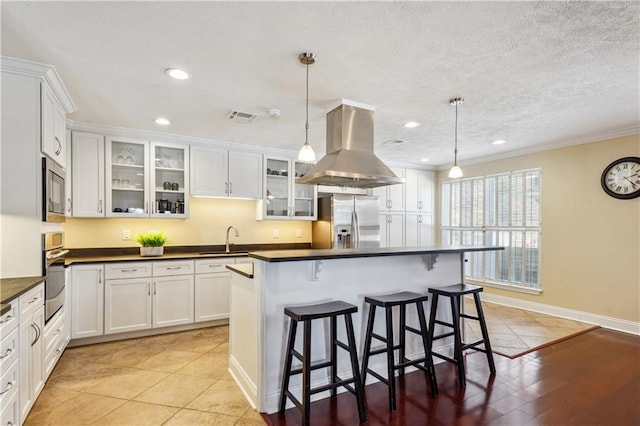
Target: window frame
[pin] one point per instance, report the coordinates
(455, 230)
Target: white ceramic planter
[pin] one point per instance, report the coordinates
(151, 251)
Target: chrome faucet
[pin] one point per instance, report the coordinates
(227, 242)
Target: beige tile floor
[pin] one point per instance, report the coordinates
(172, 379)
(514, 332)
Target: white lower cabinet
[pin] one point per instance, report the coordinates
(173, 300)
(10, 367)
(212, 289)
(31, 361)
(148, 295)
(55, 340)
(127, 305)
(419, 229)
(392, 229)
(87, 301)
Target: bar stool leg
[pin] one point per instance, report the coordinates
(428, 363)
(357, 383)
(485, 333)
(333, 354)
(367, 343)
(306, 374)
(457, 347)
(432, 323)
(402, 337)
(391, 377)
(287, 364)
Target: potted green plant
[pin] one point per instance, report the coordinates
(152, 243)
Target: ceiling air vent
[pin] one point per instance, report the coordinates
(394, 142)
(241, 117)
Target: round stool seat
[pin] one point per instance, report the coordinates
(320, 310)
(396, 299)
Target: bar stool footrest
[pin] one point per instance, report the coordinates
(316, 366)
(330, 386)
(378, 376)
(446, 358)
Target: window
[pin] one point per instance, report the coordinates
(503, 210)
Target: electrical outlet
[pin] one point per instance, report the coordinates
(126, 234)
(298, 233)
(275, 233)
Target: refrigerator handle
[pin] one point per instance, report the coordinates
(355, 230)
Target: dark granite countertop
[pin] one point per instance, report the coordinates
(245, 269)
(321, 254)
(10, 288)
(132, 254)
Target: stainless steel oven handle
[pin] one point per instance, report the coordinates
(57, 254)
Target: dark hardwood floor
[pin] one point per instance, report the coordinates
(591, 379)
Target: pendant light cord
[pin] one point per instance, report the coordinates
(455, 149)
(306, 125)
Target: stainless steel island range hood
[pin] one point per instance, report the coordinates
(350, 160)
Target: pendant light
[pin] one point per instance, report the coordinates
(456, 171)
(306, 153)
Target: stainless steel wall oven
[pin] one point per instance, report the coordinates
(53, 255)
(53, 198)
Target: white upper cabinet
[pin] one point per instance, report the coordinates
(283, 198)
(419, 190)
(217, 172)
(392, 196)
(53, 124)
(87, 175)
(145, 179)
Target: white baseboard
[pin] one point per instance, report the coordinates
(601, 320)
(247, 387)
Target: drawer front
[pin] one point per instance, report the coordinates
(9, 349)
(52, 356)
(9, 383)
(31, 301)
(10, 410)
(127, 270)
(10, 320)
(168, 268)
(206, 266)
(54, 332)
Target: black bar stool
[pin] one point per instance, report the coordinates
(306, 314)
(455, 293)
(388, 301)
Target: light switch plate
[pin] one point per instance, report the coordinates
(126, 234)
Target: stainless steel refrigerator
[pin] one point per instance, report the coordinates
(347, 221)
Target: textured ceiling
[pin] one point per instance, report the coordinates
(537, 74)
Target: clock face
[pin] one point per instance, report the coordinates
(621, 179)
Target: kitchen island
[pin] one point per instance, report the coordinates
(261, 289)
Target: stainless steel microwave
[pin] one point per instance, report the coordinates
(53, 196)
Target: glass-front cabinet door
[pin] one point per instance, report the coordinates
(127, 180)
(169, 180)
(304, 196)
(283, 198)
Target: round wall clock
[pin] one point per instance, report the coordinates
(621, 179)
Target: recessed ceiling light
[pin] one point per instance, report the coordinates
(499, 142)
(424, 160)
(411, 124)
(177, 73)
(162, 121)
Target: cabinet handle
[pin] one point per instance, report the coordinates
(100, 206)
(226, 187)
(154, 287)
(8, 388)
(6, 319)
(56, 332)
(34, 300)
(174, 268)
(70, 204)
(129, 270)
(390, 219)
(146, 207)
(148, 289)
(59, 150)
(99, 277)
(215, 266)
(230, 187)
(37, 330)
(419, 218)
(6, 353)
(58, 351)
